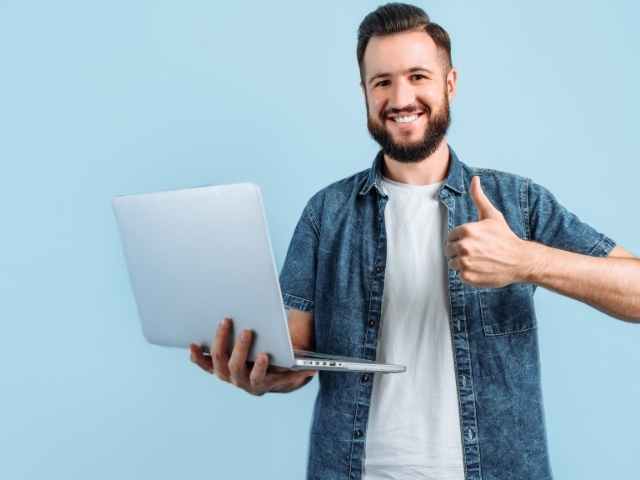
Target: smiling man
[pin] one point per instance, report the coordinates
(426, 261)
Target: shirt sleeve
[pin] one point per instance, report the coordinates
(298, 274)
(554, 225)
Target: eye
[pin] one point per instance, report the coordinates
(418, 76)
(381, 83)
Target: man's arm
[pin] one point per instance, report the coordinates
(610, 284)
(301, 329)
(487, 253)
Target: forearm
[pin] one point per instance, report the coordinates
(611, 285)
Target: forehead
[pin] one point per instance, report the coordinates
(400, 51)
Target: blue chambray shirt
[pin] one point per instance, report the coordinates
(335, 266)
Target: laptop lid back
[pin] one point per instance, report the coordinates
(197, 255)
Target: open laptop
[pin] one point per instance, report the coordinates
(200, 254)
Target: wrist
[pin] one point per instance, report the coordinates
(532, 261)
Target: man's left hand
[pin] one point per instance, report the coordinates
(486, 253)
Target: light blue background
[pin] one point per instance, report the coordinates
(102, 99)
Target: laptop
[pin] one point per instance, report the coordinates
(197, 255)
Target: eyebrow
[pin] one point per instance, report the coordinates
(411, 70)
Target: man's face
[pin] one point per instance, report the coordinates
(407, 91)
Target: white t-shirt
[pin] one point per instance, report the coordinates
(414, 425)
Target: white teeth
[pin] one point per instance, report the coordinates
(406, 118)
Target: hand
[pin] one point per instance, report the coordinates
(486, 253)
(255, 379)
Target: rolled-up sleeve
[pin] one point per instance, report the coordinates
(298, 274)
(554, 225)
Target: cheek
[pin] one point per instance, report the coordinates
(376, 104)
(432, 97)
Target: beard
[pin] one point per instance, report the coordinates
(437, 125)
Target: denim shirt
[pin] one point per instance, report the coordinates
(334, 267)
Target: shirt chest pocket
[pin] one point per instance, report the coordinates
(507, 310)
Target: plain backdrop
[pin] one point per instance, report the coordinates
(106, 98)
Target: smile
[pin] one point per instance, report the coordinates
(404, 119)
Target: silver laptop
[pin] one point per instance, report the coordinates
(200, 254)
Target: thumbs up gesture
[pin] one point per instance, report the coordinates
(486, 253)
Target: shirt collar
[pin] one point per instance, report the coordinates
(454, 179)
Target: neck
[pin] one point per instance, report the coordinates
(429, 170)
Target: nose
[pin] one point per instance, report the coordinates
(401, 95)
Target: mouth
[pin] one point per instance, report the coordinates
(405, 120)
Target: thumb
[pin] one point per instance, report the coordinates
(307, 378)
(480, 200)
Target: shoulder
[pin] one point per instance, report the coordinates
(336, 194)
(508, 186)
(491, 174)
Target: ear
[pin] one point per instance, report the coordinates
(452, 83)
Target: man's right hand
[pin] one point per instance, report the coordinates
(257, 378)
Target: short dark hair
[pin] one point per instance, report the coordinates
(400, 17)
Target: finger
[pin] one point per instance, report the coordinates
(451, 249)
(238, 361)
(454, 263)
(258, 373)
(220, 350)
(458, 233)
(200, 359)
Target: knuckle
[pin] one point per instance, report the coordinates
(256, 383)
(220, 364)
(233, 366)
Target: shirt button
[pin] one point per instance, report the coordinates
(378, 269)
(372, 323)
(358, 433)
(365, 378)
(470, 433)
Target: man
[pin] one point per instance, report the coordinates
(426, 261)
